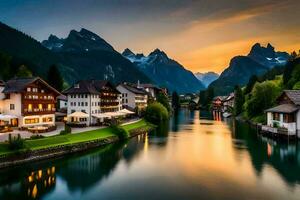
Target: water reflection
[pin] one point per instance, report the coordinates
(191, 157)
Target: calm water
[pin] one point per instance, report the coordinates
(196, 159)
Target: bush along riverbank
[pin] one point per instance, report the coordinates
(56, 146)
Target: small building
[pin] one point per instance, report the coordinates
(133, 98)
(62, 102)
(151, 89)
(218, 103)
(90, 100)
(27, 103)
(284, 119)
(228, 102)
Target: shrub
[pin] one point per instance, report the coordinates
(120, 132)
(67, 130)
(156, 113)
(33, 137)
(15, 143)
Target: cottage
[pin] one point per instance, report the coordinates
(133, 98)
(27, 103)
(217, 103)
(284, 119)
(151, 89)
(91, 101)
(228, 102)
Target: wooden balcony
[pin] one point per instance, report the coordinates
(37, 111)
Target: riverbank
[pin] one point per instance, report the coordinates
(55, 146)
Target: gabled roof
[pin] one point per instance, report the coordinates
(284, 108)
(18, 85)
(89, 87)
(133, 89)
(293, 95)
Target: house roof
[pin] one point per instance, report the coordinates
(149, 85)
(293, 95)
(89, 87)
(19, 85)
(284, 108)
(2, 83)
(133, 89)
(62, 97)
(222, 98)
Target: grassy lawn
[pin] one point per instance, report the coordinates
(72, 138)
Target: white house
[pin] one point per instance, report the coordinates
(91, 101)
(284, 119)
(133, 98)
(28, 103)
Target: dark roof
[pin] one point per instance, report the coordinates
(284, 108)
(62, 97)
(19, 84)
(133, 89)
(149, 85)
(89, 87)
(294, 96)
(222, 98)
(2, 83)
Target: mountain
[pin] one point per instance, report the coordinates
(90, 57)
(241, 68)
(267, 56)
(164, 71)
(22, 49)
(206, 78)
(82, 55)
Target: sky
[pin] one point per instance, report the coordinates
(202, 35)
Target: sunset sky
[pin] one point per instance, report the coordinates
(202, 35)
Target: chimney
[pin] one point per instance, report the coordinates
(138, 84)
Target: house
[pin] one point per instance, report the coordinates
(284, 119)
(133, 98)
(228, 102)
(151, 89)
(90, 101)
(27, 103)
(62, 102)
(217, 103)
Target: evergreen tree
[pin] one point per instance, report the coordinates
(54, 78)
(5, 72)
(251, 84)
(164, 100)
(238, 100)
(175, 101)
(24, 72)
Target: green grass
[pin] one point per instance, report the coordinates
(73, 138)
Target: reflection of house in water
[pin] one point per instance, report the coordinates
(33, 185)
(283, 157)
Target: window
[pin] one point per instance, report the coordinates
(47, 119)
(86, 96)
(74, 103)
(82, 103)
(29, 107)
(276, 116)
(42, 91)
(71, 103)
(288, 118)
(28, 89)
(12, 106)
(126, 100)
(34, 89)
(32, 121)
(86, 104)
(40, 106)
(49, 107)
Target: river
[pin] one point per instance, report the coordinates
(194, 158)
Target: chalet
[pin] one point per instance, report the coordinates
(27, 103)
(91, 101)
(217, 103)
(133, 98)
(284, 119)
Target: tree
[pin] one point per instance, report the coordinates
(239, 100)
(24, 72)
(175, 101)
(54, 78)
(288, 70)
(253, 79)
(263, 96)
(164, 100)
(156, 113)
(5, 71)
